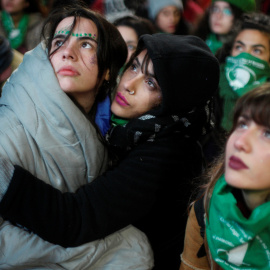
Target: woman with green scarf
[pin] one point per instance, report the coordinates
(235, 233)
(244, 63)
(21, 22)
(216, 25)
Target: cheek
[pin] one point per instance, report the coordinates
(227, 24)
(53, 61)
(90, 63)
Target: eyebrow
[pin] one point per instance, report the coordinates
(254, 45)
(147, 72)
(80, 37)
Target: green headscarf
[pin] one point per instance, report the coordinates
(244, 5)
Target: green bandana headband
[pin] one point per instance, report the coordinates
(246, 71)
(213, 43)
(15, 35)
(67, 32)
(234, 241)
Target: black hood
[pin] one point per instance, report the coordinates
(186, 70)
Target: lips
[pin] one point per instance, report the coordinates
(121, 100)
(68, 71)
(236, 163)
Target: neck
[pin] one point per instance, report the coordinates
(16, 17)
(84, 101)
(255, 198)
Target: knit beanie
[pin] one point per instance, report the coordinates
(244, 5)
(185, 68)
(5, 54)
(154, 6)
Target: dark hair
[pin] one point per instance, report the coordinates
(111, 50)
(203, 28)
(140, 25)
(255, 20)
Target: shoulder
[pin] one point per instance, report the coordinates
(194, 255)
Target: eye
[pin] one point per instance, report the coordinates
(215, 9)
(227, 12)
(238, 48)
(257, 51)
(133, 67)
(86, 45)
(131, 48)
(58, 43)
(241, 124)
(266, 133)
(151, 83)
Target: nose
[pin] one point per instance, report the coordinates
(244, 141)
(132, 84)
(69, 52)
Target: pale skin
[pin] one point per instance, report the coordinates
(221, 18)
(168, 19)
(15, 8)
(75, 62)
(137, 92)
(254, 42)
(130, 37)
(247, 163)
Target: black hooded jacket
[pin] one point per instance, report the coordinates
(151, 185)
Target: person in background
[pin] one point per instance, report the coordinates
(228, 226)
(167, 16)
(9, 60)
(21, 22)
(132, 28)
(163, 104)
(245, 60)
(217, 22)
(47, 113)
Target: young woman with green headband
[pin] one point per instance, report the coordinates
(216, 24)
(228, 227)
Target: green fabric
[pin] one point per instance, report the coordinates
(234, 241)
(244, 5)
(213, 43)
(239, 75)
(16, 36)
(117, 121)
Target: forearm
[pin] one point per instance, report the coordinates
(47, 212)
(70, 219)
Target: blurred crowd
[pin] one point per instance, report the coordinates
(237, 33)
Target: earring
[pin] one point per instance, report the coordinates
(131, 92)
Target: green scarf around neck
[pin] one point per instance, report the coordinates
(213, 43)
(16, 36)
(117, 121)
(239, 75)
(236, 242)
